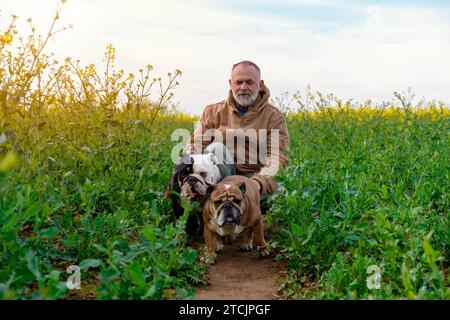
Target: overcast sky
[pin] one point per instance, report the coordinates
(351, 48)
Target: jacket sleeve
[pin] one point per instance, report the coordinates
(277, 145)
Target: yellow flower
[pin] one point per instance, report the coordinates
(6, 38)
(10, 161)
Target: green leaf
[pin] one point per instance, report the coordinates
(136, 274)
(90, 263)
(149, 234)
(99, 247)
(150, 292)
(108, 275)
(33, 264)
(296, 230)
(430, 255)
(49, 233)
(190, 256)
(131, 255)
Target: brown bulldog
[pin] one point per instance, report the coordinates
(231, 208)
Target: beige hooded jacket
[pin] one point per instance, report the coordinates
(263, 133)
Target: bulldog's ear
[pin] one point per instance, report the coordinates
(210, 189)
(242, 188)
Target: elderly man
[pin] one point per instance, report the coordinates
(246, 126)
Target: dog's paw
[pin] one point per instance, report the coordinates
(246, 246)
(263, 252)
(219, 245)
(208, 257)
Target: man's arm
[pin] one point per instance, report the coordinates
(276, 155)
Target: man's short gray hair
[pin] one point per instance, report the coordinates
(246, 62)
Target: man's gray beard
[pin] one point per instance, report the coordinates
(245, 100)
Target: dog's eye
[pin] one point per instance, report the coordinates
(203, 174)
(218, 202)
(238, 201)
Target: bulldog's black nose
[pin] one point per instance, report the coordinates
(228, 205)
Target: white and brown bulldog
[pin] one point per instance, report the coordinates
(232, 208)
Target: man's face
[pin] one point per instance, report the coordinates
(245, 84)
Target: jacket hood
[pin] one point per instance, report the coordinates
(261, 101)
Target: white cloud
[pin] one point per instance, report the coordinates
(330, 3)
(374, 16)
(391, 49)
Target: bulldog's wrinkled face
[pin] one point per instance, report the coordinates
(194, 187)
(227, 203)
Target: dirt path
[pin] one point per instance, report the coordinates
(242, 276)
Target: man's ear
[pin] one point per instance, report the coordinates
(210, 189)
(242, 188)
(261, 83)
(229, 81)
